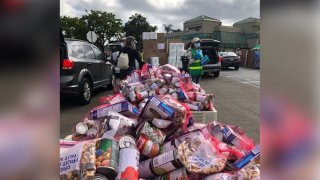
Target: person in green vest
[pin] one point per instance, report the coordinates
(195, 55)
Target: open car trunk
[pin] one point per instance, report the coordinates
(210, 49)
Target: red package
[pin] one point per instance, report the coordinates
(112, 99)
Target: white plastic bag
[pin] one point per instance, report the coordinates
(123, 61)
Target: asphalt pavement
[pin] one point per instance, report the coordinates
(236, 100)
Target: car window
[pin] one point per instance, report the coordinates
(222, 53)
(97, 52)
(232, 54)
(88, 52)
(77, 52)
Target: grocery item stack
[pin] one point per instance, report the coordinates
(147, 132)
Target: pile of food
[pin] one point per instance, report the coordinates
(146, 131)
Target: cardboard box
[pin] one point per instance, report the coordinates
(147, 55)
(153, 35)
(163, 58)
(150, 45)
(174, 40)
(205, 116)
(154, 61)
(161, 37)
(172, 61)
(145, 36)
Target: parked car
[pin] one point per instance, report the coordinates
(84, 69)
(229, 59)
(209, 47)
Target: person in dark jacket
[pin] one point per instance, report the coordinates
(134, 55)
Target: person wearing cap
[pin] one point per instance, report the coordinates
(195, 55)
(130, 49)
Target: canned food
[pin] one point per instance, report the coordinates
(179, 174)
(171, 90)
(147, 147)
(107, 157)
(132, 96)
(132, 88)
(201, 98)
(145, 170)
(154, 86)
(175, 80)
(169, 146)
(92, 133)
(177, 84)
(81, 128)
(166, 162)
(193, 107)
(174, 95)
(161, 123)
(160, 82)
(128, 164)
(127, 141)
(152, 92)
(141, 106)
(154, 134)
(142, 95)
(163, 90)
(100, 177)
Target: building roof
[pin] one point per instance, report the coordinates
(228, 29)
(202, 18)
(247, 20)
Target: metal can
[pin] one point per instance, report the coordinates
(201, 98)
(92, 133)
(174, 95)
(169, 146)
(107, 157)
(128, 164)
(147, 147)
(132, 88)
(152, 92)
(154, 134)
(127, 141)
(141, 105)
(132, 96)
(179, 174)
(81, 128)
(145, 170)
(175, 80)
(154, 86)
(142, 95)
(166, 162)
(98, 176)
(163, 90)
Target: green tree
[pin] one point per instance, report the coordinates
(104, 24)
(73, 27)
(136, 25)
(168, 28)
(176, 30)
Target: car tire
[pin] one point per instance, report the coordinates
(216, 74)
(236, 68)
(113, 81)
(85, 91)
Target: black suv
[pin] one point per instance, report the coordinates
(210, 47)
(83, 68)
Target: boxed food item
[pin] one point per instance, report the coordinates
(155, 108)
(124, 108)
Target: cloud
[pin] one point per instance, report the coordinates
(159, 12)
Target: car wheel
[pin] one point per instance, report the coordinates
(113, 81)
(85, 91)
(236, 68)
(216, 74)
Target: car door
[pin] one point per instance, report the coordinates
(105, 66)
(92, 64)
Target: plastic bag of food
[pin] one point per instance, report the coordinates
(154, 134)
(170, 69)
(112, 99)
(200, 156)
(241, 141)
(121, 124)
(251, 172)
(78, 162)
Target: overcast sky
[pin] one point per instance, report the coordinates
(160, 12)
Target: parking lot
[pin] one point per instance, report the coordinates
(236, 100)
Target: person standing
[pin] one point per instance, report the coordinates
(133, 56)
(195, 55)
